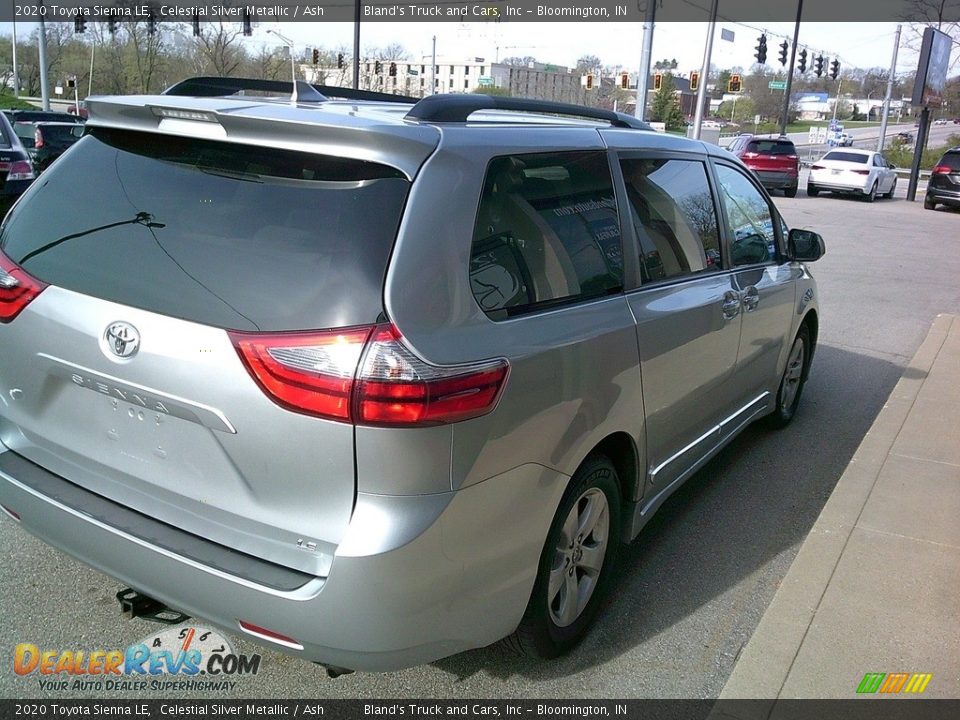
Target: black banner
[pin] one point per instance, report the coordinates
(479, 11)
(854, 709)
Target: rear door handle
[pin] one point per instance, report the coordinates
(731, 304)
(751, 298)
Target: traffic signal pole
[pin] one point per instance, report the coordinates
(643, 78)
(704, 72)
(356, 43)
(793, 56)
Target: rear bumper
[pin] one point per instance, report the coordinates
(777, 180)
(944, 195)
(417, 577)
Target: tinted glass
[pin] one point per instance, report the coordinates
(752, 239)
(233, 236)
(61, 134)
(847, 156)
(547, 233)
(951, 160)
(673, 216)
(772, 147)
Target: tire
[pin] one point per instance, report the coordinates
(583, 563)
(889, 194)
(790, 192)
(929, 204)
(793, 379)
(872, 195)
(812, 190)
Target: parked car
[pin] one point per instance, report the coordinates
(15, 116)
(774, 160)
(904, 137)
(861, 172)
(941, 121)
(845, 139)
(16, 168)
(79, 110)
(46, 141)
(944, 184)
(371, 383)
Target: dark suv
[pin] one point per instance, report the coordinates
(944, 184)
(376, 382)
(774, 160)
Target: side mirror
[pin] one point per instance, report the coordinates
(805, 245)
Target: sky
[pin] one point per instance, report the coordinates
(863, 45)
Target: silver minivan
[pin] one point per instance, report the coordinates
(378, 382)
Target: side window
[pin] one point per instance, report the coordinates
(546, 233)
(753, 239)
(674, 217)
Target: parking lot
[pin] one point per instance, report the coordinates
(696, 582)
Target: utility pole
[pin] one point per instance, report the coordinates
(433, 68)
(793, 56)
(886, 100)
(358, 8)
(704, 71)
(837, 101)
(643, 78)
(44, 88)
(16, 73)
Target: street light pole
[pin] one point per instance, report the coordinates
(643, 78)
(886, 100)
(704, 72)
(293, 67)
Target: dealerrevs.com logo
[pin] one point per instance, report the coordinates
(179, 658)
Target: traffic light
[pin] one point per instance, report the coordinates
(393, 70)
(624, 81)
(589, 84)
(734, 84)
(761, 53)
(377, 67)
(834, 69)
(112, 27)
(196, 25)
(71, 83)
(818, 66)
(80, 25)
(657, 81)
(784, 46)
(339, 60)
(802, 65)
(694, 80)
(247, 27)
(316, 56)
(151, 23)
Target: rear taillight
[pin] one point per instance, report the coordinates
(395, 387)
(17, 289)
(368, 376)
(816, 167)
(37, 138)
(862, 172)
(21, 170)
(307, 372)
(942, 170)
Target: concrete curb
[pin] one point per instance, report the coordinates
(768, 658)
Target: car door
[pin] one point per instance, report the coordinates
(885, 175)
(686, 308)
(766, 284)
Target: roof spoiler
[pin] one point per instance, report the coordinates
(304, 92)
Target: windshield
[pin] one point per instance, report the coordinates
(229, 235)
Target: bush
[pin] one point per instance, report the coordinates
(901, 154)
(9, 102)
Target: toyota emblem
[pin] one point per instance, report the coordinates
(123, 340)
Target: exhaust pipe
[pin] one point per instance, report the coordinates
(134, 604)
(334, 672)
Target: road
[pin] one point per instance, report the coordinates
(694, 585)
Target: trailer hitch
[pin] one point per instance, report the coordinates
(134, 604)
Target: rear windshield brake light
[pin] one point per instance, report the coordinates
(17, 289)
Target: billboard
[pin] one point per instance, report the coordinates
(932, 70)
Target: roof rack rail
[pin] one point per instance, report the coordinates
(205, 86)
(458, 108)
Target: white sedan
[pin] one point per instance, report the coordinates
(863, 172)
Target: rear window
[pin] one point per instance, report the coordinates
(847, 156)
(951, 160)
(771, 147)
(228, 235)
(61, 133)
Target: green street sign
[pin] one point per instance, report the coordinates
(777, 84)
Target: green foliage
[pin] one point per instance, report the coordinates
(492, 90)
(665, 108)
(901, 154)
(9, 102)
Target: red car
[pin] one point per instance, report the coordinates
(774, 160)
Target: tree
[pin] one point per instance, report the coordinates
(665, 64)
(740, 112)
(589, 64)
(665, 107)
(518, 61)
(921, 14)
(219, 48)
